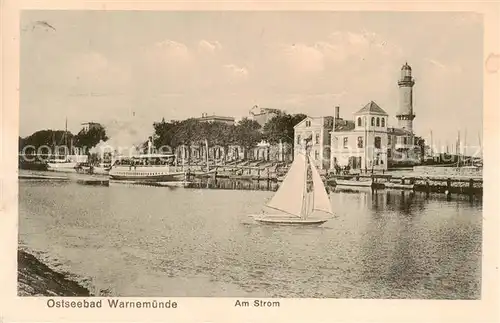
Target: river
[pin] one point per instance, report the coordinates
(129, 240)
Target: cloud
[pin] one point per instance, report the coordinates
(167, 54)
(93, 72)
(343, 45)
(209, 46)
(340, 51)
(236, 72)
(302, 58)
(445, 70)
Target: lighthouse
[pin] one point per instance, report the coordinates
(405, 114)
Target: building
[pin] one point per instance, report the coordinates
(371, 144)
(87, 126)
(403, 144)
(214, 118)
(263, 115)
(316, 132)
(362, 145)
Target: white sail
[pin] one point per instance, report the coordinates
(321, 201)
(290, 196)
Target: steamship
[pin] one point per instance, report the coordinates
(147, 167)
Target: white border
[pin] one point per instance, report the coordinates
(34, 309)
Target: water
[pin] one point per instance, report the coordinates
(154, 241)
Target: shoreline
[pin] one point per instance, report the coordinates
(34, 278)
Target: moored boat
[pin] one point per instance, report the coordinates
(146, 167)
(61, 164)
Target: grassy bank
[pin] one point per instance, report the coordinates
(34, 278)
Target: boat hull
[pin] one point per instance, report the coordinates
(62, 167)
(166, 177)
(282, 220)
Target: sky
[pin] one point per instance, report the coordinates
(127, 69)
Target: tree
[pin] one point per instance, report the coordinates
(164, 133)
(50, 139)
(90, 138)
(247, 134)
(222, 135)
(421, 148)
(280, 128)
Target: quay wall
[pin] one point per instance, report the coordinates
(447, 171)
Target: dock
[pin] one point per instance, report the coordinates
(43, 177)
(472, 185)
(93, 182)
(83, 179)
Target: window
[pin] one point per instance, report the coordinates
(389, 153)
(316, 154)
(360, 142)
(378, 122)
(373, 121)
(359, 122)
(405, 140)
(346, 140)
(308, 123)
(388, 138)
(317, 138)
(329, 139)
(383, 122)
(298, 140)
(377, 142)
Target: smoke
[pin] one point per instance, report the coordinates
(125, 137)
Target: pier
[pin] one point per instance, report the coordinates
(470, 185)
(82, 179)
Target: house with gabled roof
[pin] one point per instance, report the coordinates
(363, 145)
(315, 132)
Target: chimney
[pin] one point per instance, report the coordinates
(337, 112)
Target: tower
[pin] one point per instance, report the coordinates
(405, 114)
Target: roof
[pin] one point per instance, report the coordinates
(344, 125)
(398, 131)
(327, 121)
(406, 67)
(372, 108)
(145, 156)
(214, 117)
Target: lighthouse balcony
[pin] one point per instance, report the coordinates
(403, 146)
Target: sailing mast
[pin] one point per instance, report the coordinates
(465, 145)
(480, 144)
(206, 148)
(66, 137)
(432, 147)
(365, 144)
(183, 153)
(305, 205)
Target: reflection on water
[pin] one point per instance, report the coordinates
(153, 241)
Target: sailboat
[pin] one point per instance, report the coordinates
(62, 163)
(298, 203)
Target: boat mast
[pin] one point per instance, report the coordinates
(305, 207)
(432, 148)
(480, 145)
(312, 193)
(183, 152)
(66, 149)
(206, 149)
(465, 146)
